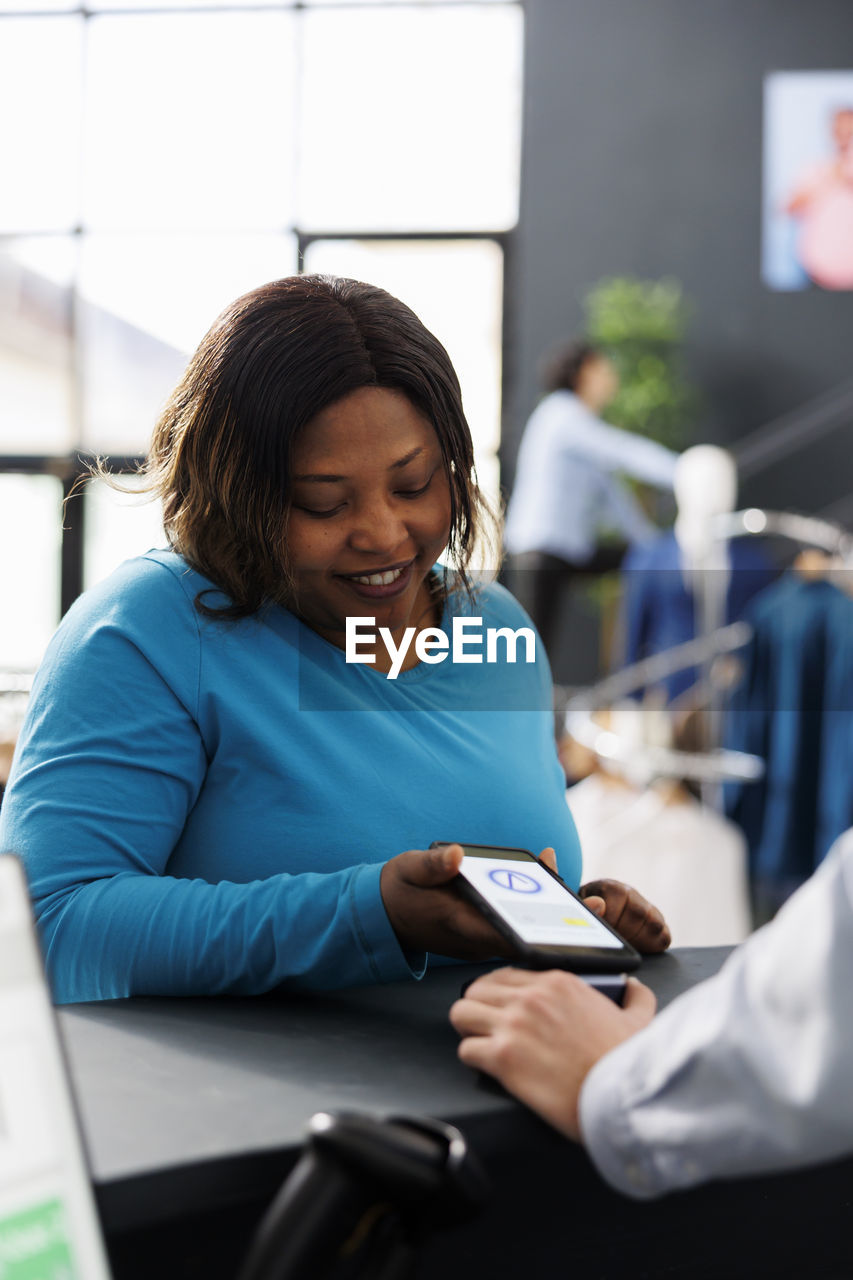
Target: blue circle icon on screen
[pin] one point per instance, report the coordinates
(516, 881)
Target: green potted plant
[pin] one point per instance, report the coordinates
(641, 324)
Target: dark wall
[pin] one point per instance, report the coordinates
(642, 155)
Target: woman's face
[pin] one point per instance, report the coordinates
(598, 383)
(370, 514)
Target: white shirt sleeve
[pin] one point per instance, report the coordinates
(613, 449)
(749, 1072)
(566, 484)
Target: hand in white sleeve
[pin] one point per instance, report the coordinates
(747, 1073)
(540, 1033)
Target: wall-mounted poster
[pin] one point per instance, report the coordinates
(808, 180)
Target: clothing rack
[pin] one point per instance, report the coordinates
(807, 530)
(717, 765)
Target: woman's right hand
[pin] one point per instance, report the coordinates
(426, 912)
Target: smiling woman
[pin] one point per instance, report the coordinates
(370, 517)
(208, 797)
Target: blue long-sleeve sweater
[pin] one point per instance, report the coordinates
(204, 806)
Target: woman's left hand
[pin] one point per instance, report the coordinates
(628, 912)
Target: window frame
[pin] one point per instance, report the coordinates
(73, 468)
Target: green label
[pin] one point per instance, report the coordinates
(34, 1245)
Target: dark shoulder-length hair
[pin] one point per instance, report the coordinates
(561, 368)
(220, 457)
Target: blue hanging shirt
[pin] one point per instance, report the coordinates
(660, 610)
(793, 709)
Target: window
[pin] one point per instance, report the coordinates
(456, 287)
(161, 159)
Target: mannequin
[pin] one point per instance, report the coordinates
(687, 582)
(705, 485)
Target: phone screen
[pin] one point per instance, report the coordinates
(540, 910)
(48, 1223)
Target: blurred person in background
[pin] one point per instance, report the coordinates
(570, 512)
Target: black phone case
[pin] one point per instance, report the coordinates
(594, 961)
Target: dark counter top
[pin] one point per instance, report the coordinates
(188, 1101)
(195, 1110)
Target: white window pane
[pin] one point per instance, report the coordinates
(456, 287)
(31, 536)
(147, 301)
(118, 525)
(40, 101)
(189, 121)
(411, 119)
(39, 6)
(35, 345)
(319, 4)
(96, 5)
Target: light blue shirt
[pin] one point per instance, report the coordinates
(567, 491)
(749, 1072)
(204, 806)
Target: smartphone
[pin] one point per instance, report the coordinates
(546, 922)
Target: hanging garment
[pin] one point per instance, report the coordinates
(688, 860)
(660, 608)
(793, 709)
(835, 787)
